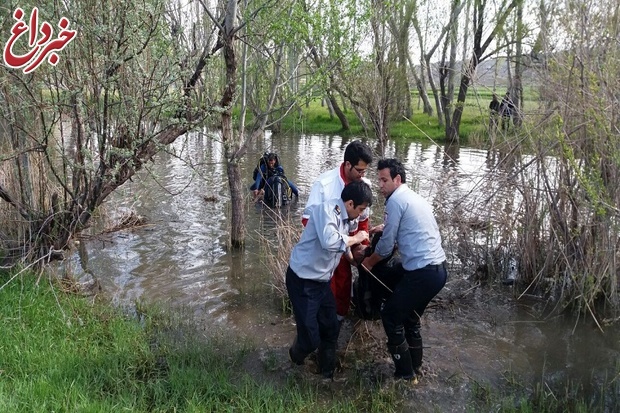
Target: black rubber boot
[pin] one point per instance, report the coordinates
(416, 351)
(327, 361)
(402, 360)
(296, 355)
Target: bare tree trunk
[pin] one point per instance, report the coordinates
(339, 113)
(231, 142)
(237, 203)
(358, 108)
(466, 31)
(421, 86)
(404, 102)
(330, 107)
(479, 47)
(436, 94)
(332, 104)
(428, 54)
(399, 25)
(447, 72)
(444, 97)
(518, 79)
(379, 103)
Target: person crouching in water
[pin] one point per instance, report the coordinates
(266, 171)
(409, 223)
(311, 267)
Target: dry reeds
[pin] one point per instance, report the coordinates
(26, 189)
(129, 220)
(284, 232)
(552, 213)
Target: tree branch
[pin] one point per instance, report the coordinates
(8, 198)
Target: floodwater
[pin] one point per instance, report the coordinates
(179, 258)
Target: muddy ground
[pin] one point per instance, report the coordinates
(461, 360)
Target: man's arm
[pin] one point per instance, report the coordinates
(259, 178)
(385, 246)
(370, 262)
(327, 225)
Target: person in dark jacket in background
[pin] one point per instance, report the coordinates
(506, 109)
(270, 168)
(494, 113)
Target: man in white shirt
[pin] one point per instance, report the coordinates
(329, 185)
(313, 260)
(410, 224)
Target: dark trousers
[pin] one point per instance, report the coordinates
(402, 310)
(314, 308)
(506, 122)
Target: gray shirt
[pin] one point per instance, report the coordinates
(322, 242)
(409, 222)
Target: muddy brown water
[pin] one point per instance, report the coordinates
(476, 338)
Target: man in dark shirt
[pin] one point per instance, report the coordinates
(494, 112)
(505, 109)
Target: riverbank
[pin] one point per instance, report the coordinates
(315, 119)
(62, 351)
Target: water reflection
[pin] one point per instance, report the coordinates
(180, 258)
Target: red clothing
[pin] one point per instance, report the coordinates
(341, 282)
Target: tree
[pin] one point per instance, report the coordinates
(427, 55)
(333, 32)
(379, 98)
(138, 76)
(81, 129)
(576, 247)
(399, 23)
(272, 33)
(480, 46)
(447, 67)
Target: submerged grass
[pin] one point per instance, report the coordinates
(549, 395)
(58, 352)
(543, 400)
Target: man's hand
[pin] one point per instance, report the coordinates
(360, 237)
(377, 228)
(371, 261)
(367, 264)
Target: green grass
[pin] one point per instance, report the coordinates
(60, 353)
(314, 119)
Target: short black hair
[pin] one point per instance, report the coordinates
(357, 191)
(356, 151)
(395, 166)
